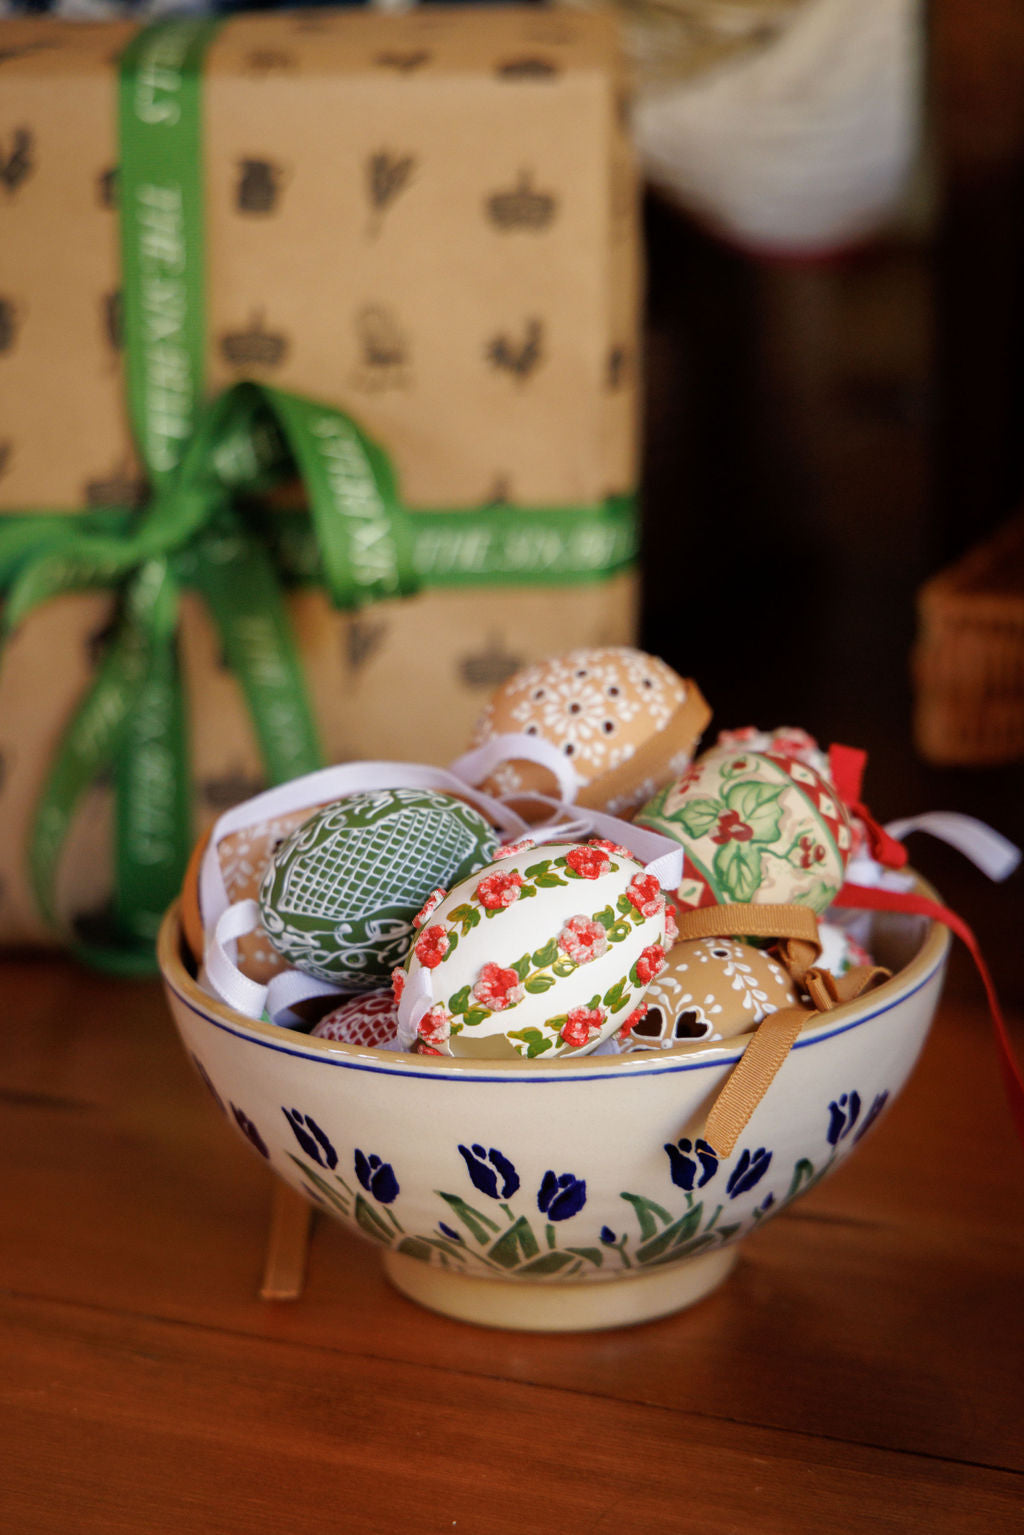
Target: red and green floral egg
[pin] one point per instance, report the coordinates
(598, 707)
(711, 988)
(755, 826)
(370, 1019)
(545, 953)
(339, 895)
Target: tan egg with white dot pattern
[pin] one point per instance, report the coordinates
(623, 720)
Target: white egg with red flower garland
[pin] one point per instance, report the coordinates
(545, 952)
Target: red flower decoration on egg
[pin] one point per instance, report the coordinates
(581, 1024)
(431, 946)
(498, 890)
(429, 906)
(436, 1026)
(611, 847)
(583, 939)
(510, 849)
(397, 983)
(635, 1017)
(645, 894)
(671, 924)
(587, 862)
(650, 964)
(497, 988)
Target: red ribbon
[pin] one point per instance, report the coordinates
(867, 898)
(846, 766)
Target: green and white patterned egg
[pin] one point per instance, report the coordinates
(338, 897)
(547, 952)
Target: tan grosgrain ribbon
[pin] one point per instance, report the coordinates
(680, 733)
(795, 928)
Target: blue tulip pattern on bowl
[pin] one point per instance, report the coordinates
(541, 1232)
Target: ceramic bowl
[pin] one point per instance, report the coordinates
(566, 1196)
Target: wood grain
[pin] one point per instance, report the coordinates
(859, 1371)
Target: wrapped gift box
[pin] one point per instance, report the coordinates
(427, 221)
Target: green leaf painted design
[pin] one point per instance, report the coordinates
(466, 916)
(615, 997)
(593, 1255)
(548, 881)
(564, 966)
(618, 931)
(547, 955)
(538, 868)
(322, 1186)
(370, 1221)
(737, 867)
(415, 1247)
(625, 905)
(803, 1173)
(605, 917)
(460, 1001)
(536, 1043)
(698, 816)
(549, 1263)
(670, 1238)
(647, 1213)
(481, 1226)
(475, 1016)
(757, 806)
(539, 983)
(522, 966)
(515, 1245)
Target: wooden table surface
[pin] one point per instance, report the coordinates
(860, 1371)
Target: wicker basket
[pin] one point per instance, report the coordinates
(968, 660)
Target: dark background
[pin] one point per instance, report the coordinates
(821, 436)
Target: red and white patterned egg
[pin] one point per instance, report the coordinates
(371, 1020)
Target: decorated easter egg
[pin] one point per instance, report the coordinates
(339, 895)
(789, 739)
(623, 720)
(755, 826)
(370, 1019)
(840, 950)
(711, 988)
(544, 953)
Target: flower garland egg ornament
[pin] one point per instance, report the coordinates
(601, 727)
(546, 952)
(761, 826)
(339, 895)
(711, 988)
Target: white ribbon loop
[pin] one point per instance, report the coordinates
(476, 765)
(223, 976)
(989, 851)
(416, 1002)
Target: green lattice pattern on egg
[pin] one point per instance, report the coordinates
(340, 894)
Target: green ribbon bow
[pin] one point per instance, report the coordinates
(203, 459)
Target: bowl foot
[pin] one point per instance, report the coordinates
(552, 1307)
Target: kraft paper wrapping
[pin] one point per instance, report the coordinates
(428, 220)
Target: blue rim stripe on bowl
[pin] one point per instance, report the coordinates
(657, 1067)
